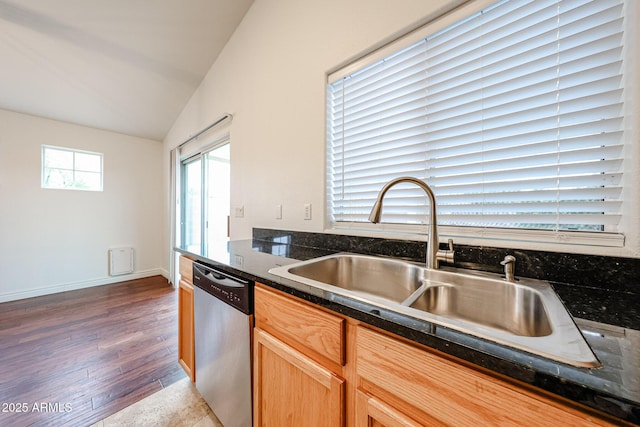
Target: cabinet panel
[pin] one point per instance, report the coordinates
(291, 389)
(452, 393)
(301, 325)
(186, 268)
(186, 342)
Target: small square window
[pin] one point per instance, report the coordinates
(64, 168)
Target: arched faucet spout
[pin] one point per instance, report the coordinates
(434, 254)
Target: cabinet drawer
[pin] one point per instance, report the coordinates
(453, 393)
(301, 325)
(186, 268)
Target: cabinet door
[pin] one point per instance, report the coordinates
(452, 393)
(291, 389)
(186, 349)
(373, 412)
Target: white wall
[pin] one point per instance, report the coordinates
(56, 240)
(271, 76)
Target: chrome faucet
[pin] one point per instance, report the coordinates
(434, 254)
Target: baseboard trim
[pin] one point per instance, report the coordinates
(13, 296)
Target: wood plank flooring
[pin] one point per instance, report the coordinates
(74, 358)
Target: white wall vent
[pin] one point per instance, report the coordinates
(120, 261)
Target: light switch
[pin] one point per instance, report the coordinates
(238, 261)
(278, 211)
(307, 211)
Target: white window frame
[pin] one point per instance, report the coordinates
(626, 242)
(74, 182)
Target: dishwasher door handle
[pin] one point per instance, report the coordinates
(220, 279)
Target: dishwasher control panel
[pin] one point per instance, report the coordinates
(235, 291)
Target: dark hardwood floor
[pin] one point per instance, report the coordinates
(76, 357)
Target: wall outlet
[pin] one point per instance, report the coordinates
(307, 211)
(278, 212)
(239, 212)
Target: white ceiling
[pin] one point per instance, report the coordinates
(127, 66)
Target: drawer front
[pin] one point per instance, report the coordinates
(186, 268)
(453, 393)
(301, 325)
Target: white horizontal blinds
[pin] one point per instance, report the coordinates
(534, 131)
(522, 125)
(377, 132)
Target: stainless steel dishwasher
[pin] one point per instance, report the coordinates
(223, 308)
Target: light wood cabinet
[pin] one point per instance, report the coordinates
(314, 332)
(425, 386)
(315, 367)
(293, 390)
(295, 347)
(186, 342)
(185, 268)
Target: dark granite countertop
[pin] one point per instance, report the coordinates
(613, 389)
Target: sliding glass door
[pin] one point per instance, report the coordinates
(205, 202)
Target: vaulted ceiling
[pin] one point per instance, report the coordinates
(127, 66)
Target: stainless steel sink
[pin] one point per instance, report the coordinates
(510, 308)
(526, 314)
(365, 276)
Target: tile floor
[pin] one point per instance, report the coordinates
(179, 405)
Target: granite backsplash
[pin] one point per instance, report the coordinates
(599, 288)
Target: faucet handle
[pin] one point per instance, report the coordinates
(448, 255)
(450, 245)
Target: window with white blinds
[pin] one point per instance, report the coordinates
(513, 115)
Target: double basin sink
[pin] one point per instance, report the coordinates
(525, 314)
